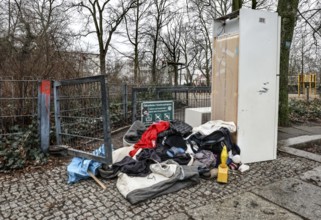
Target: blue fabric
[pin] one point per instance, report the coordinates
(77, 169)
(173, 151)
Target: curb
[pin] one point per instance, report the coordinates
(290, 146)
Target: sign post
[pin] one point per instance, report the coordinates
(154, 111)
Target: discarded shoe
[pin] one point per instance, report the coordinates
(244, 168)
(233, 166)
(204, 172)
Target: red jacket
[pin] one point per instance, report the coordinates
(148, 139)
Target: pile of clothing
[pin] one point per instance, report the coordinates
(168, 156)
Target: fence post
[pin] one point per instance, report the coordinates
(134, 99)
(39, 111)
(0, 103)
(125, 101)
(106, 121)
(57, 112)
(44, 107)
(187, 103)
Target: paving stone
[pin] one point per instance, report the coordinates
(245, 206)
(47, 192)
(288, 132)
(312, 176)
(295, 195)
(39, 217)
(120, 214)
(72, 215)
(137, 210)
(137, 217)
(113, 217)
(309, 129)
(129, 214)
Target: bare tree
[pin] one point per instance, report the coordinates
(159, 16)
(35, 33)
(260, 4)
(134, 25)
(189, 51)
(221, 8)
(171, 41)
(305, 52)
(105, 16)
(212, 8)
(202, 25)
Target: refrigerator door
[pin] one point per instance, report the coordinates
(258, 85)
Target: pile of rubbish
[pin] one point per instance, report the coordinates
(165, 157)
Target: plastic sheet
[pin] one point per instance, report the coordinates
(79, 167)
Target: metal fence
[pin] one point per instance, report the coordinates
(18, 104)
(119, 104)
(19, 107)
(183, 97)
(82, 117)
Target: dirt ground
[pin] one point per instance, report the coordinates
(312, 148)
(304, 96)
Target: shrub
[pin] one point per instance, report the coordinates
(20, 148)
(302, 111)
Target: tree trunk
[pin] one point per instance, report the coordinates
(175, 75)
(136, 63)
(154, 78)
(254, 3)
(302, 63)
(102, 61)
(287, 9)
(136, 66)
(236, 5)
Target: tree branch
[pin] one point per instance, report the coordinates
(315, 31)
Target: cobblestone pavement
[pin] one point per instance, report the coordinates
(46, 194)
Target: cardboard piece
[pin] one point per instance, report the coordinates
(225, 78)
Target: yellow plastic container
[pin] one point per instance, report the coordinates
(222, 175)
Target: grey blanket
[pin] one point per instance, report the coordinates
(137, 189)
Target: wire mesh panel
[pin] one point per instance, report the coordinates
(183, 97)
(186, 97)
(18, 104)
(118, 104)
(82, 116)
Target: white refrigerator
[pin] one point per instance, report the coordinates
(245, 79)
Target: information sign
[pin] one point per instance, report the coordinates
(154, 111)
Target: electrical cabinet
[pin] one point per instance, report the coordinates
(245, 79)
(197, 116)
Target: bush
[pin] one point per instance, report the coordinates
(302, 111)
(20, 148)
